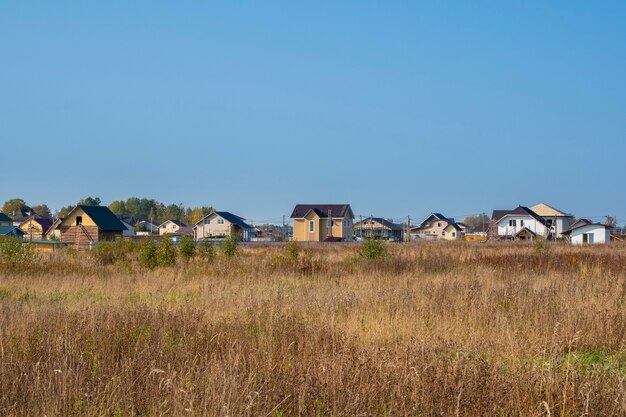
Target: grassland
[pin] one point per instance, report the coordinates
(432, 329)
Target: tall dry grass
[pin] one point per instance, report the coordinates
(433, 329)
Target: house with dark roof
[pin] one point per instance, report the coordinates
(5, 220)
(36, 226)
(222, 224)
(86, 225)
(322, 222)
(170, 226)
(454, 231)
(11, 231)
(431, 227)
(510, 224)
(378, 228)
(585, 232)
(557, 221)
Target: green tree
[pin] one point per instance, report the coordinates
(42, 210)
(478, 220)
(148, 254)
(206, 250)
(14, 204)
(187, 248)
(166, 253)
(229, 247)
(90, 201)
(373, 249)
(292, 251)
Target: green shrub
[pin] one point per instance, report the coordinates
(206, 250)
(373, 249)
(120, 251)
(540, 246)
(166, 253)
(15, 252)
(229, 247)
(292, 251)
(187, 248)
(148, 254)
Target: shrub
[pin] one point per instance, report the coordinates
(292, 251)
(540, 246)
(166, 254)
(148, 254)
(15, 251)
(187, 248)
(206, 250)
(229, 247)
(373, 249)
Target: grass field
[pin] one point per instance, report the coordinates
(452, 329)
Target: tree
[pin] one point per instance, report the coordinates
(206, 250)
(148, 254)
(166, 254)
(42, 210)
(229, 247)
(90, 201)
(187, 248)
(14, 204)
(473, 221)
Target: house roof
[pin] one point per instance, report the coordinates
(44, 222)
(454, 226)
(384, 222)
(229, 217)
(337, 210)
(583, 223)
(4, 218)
(53, 226)
(497, 215)
(544, 210)
(481, 228)
(102, 217)
(127, 218)
(434, 216)
(7, 230)
(526, 230)
(176, 222)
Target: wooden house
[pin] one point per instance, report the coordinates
(222, 224)
(170, 226)
(378, 228)
(432, 227)
(322, 222)
(86, 225)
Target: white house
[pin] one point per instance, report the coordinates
(585, 232)
(556, 220)
(170, 226)
(520, 223)
(222, 224)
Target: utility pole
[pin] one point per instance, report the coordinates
(330, 224)
(30, 226)
(284, 231)
(407, 238)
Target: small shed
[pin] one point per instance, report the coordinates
(584, 232)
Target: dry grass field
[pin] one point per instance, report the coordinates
(451, 329)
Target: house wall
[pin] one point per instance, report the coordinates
(36, 230)
(450, 233)
(600, 234)
(71, 219)
(529, 222)
(434, 230)
(168, 227)
(342, 229)
(212, 229)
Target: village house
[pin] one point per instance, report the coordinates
(222, 224)
(432, 227)
(147, 227)
(556, 221)
(478, 233)
(520, 223)
(53, 232)
(322, 222)
(170, 226)
(11, 231)
(36, 226)
(5, 220)
(129, 224)
(85, 225)
(454, 231)
(378, 228)
(18, 216)
(585, 232)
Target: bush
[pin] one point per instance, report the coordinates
(373, 249)
(540, 246)
(148, 254)
(292, 251)
(15, 252)
(120, 251)
(166, 254)
(206, 250)
(229, 247)
(187, 248)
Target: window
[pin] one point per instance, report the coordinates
(453, 234)
(79, 220)
(521, 223)
(512, 223)
(311, 226)
(332, 223)
(220, 221)
(438, 224)
(207, 221)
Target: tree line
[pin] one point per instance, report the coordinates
(140, 208)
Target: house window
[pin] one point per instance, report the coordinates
(311, 226)
(207, 221)
(453, 234)
(521, 223)
(438, 224)
(220, 221)
(332, 223)
(588, 238)
(512, 223)
(79, 220)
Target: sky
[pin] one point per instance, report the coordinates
(398, 108)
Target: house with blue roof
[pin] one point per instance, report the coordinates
(222, 224)
(11, 231)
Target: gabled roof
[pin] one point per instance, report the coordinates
(127, 218)
(4, 218)
(229, 217)
(544, 210)
(526, 230)
(44, 222)
(454, 226)
(431, 217)
(384, 222)
(11, 230)
(481, 228)
(53, 226)
(337, 210)
(497, 215)
(580, 223)
(176, 222)
(102, 217)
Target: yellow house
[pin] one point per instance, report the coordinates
(322, 222)
(35, 227)
(86, 225)
(453, 231)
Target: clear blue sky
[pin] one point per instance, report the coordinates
(398, 108)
